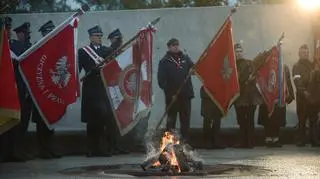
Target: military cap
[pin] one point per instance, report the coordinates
(47, 27)
(8, 22)
(96, 30)
(25, 27)
(237, 45)
(115, 34)
(173, 41)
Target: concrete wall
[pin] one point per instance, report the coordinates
(258, 26)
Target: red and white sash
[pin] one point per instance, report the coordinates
(93, 55)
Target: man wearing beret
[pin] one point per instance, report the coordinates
(173, 69)
(95, 106)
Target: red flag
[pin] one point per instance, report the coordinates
(9, 101)
(49, 69)
(130, 97)
(269, 80)
(217, 69)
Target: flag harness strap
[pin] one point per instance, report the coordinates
(94, 56)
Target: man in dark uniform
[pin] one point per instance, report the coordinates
(173, 69)
(44, 134)
(278, 118)
(95, 106)
(15, 136)
(46, 28)
(116, 40)
(8, 139)
(301, 77)
(245, 105)
(18, 47)
(211, 120)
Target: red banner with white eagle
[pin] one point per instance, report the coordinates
(9, 100)
(217, 69)
(49, 70)
(128, 82)
(270, 80)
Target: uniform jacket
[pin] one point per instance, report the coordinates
(18, 47)
(301, 76)
(249, 94)
(171, 75)
(95, 106)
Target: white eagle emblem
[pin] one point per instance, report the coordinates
(61, 76)
(272, 81)
(227, 69)
(131, 83)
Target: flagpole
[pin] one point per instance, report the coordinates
(280, 68)
(191, 71)
(78, 13)
(121, 48)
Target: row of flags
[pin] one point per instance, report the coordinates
(217, 70)
(51, 75)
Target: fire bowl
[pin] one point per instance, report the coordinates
(136, 171)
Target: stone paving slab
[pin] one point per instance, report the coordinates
(287, 162)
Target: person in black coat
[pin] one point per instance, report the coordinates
(16, 135)
(277, 120)
(95, 106)
(172, 71)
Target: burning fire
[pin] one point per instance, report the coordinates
(172, 157)
(167, 150)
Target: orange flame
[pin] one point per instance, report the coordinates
(169, 139)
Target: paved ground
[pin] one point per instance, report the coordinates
(286, 162)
